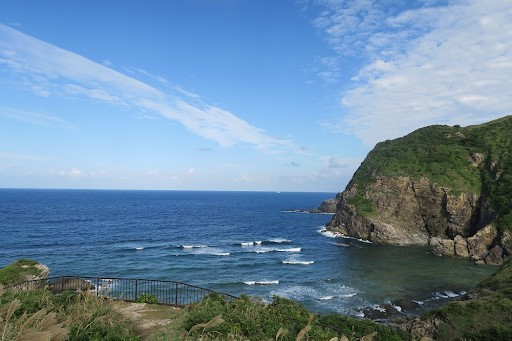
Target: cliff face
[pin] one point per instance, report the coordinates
(408, 211)
(396, 197)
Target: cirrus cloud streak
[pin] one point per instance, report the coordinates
(49, 70)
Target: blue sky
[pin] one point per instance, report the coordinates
(265, 95)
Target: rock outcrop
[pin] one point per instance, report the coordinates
(24, 271)
(395, 197)
(419, 212)
(328, 206)
(407, 211)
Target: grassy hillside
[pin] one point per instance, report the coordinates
(486, 315)
(449, 157)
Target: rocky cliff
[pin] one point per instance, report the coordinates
(448, 187)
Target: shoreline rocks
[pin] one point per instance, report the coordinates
(484, 247)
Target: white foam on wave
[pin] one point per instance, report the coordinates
(193, 246)
(446, 294)
(195, 250)
(211, 252)
(138, 248)
(327, 298)
(268, 249)
(261, 282)
(298, 262)
(298, 292)
(279, 240)
(330, 234)
(263, 250)
(324, 232)
(348, 295)
(258, 242)
(297, 211)
(293, 249)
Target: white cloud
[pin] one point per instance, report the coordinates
(52, 70)
(437, 65)
(73, 173)
(36, 118)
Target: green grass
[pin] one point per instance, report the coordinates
(68, 316)
(443, 155)
(214, 318)
(486, 316)
(18, 271)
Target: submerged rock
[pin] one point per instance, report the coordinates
(407, 304)
(382, 312)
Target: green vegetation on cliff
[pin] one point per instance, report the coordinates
(475, 159)
(19, 271)
(486, 314)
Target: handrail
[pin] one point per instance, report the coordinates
(125, 289)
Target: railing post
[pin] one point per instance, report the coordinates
(176, 295)
(97, 285)
(136, 284)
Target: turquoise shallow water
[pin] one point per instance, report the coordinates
(235, 242)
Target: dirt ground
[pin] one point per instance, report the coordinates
(148, 318)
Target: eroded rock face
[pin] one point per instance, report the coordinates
(408, 211)
(419, 212)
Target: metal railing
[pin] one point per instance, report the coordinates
(125, 289)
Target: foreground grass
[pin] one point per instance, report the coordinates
(215, 318)
(41, 315)
(486, 314)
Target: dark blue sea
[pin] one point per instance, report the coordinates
(255, 243)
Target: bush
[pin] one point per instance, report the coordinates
(146, 298)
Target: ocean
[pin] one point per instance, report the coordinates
(256, 243)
